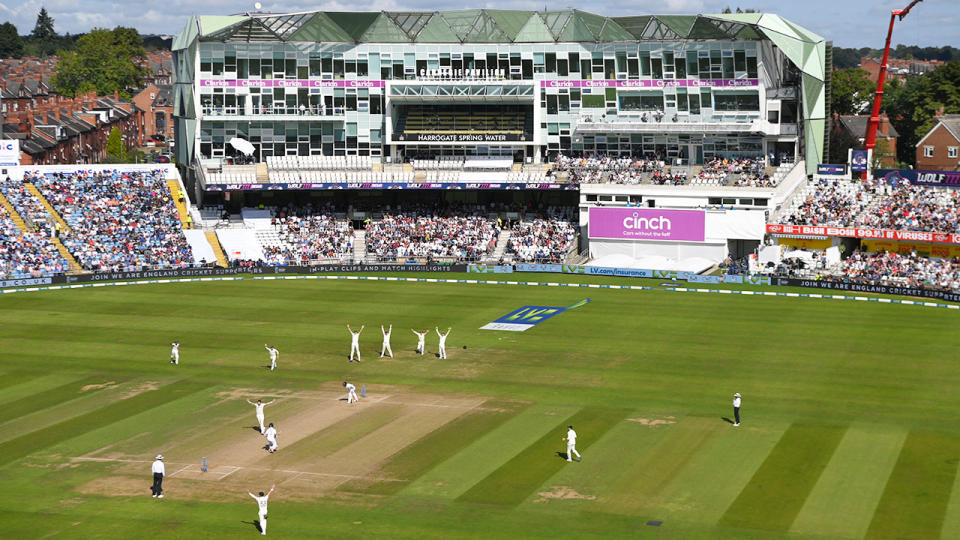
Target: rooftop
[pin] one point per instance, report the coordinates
(484, 26)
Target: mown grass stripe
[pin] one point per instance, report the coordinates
(445, 441)
(8, 380)
(26, 389)
(703, 492)
(340, 434)
(27, 444)
(914, 502)
(519, 477)
(777, 491)
(951, 519)
(51, 397)
(643, 482)
(453, 477)
(846, 496)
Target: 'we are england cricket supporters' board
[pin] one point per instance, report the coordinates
(527, 317)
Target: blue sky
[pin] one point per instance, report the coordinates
(849, 23)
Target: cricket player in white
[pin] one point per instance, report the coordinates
(175, 353)
(274, 354)
(262, 507)
(271, 435)
(386, 341)
(351, 392)
(421, 340)
(571, 439)
(443, 342)
(260, 405)
(355, 342)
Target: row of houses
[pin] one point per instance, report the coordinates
(56, 129)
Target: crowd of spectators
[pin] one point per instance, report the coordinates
(831, 203)
(602, 169)
(878, 204)
(309, 234)
(888, 268)
(28, 206)
(465, 234)
(24, 255)
(906, 207)
(119, 220)
(542, 239)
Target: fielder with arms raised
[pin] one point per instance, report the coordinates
(262, 507)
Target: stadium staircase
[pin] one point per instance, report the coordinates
(263, 174)
(72, 264)
(14, 216)
(500, 248)
(217, 250)
(46, 204)
(67, 256)
(359, 246)
(174, 187)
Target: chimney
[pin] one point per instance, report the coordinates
(884, 125)
(116, 95)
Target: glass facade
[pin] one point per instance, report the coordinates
(645, 91)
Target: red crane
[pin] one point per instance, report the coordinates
(874, 121)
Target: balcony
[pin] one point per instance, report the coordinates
(657, 122)
(275, 113)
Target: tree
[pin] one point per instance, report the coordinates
(881, 152)
(115, 147)
(851, 91)
(841, 140)
(43, 34)
(913, 108)
(105, 61)
(11, 45)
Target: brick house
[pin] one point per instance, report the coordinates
(156, 102)
(939, 149)
(854, 128)
(56, 129)
(899, 68)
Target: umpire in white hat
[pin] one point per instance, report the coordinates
(736, 409)
(159, 471)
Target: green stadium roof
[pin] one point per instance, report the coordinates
(490, 26)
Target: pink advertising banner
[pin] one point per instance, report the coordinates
(649, 83)
(287, 83)
(647, 224)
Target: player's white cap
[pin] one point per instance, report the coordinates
(159, 456)
(737, 394)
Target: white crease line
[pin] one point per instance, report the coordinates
(236, 468)
(180, 470)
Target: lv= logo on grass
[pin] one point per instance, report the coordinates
(527, 317)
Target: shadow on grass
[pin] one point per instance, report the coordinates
(257, 429)
(255, 523)
(562, 455)
(727, 420)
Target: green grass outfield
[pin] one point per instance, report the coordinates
(850, 413)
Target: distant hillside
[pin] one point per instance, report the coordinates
(846, 58)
